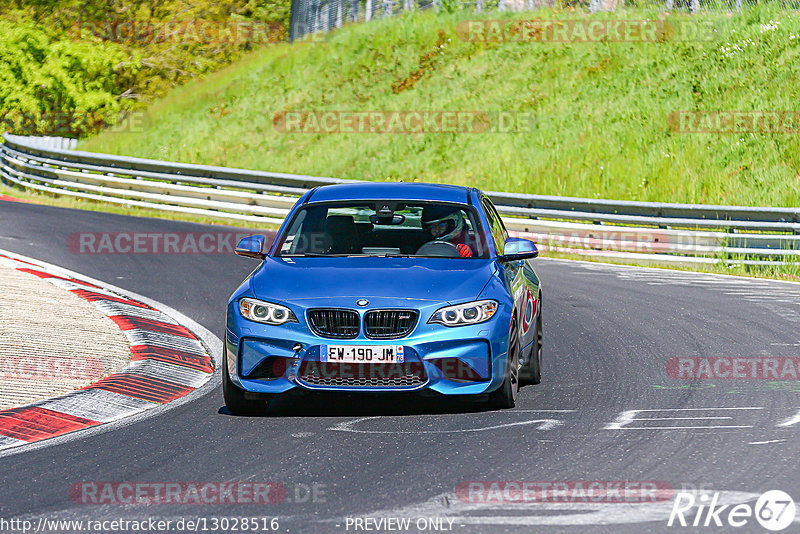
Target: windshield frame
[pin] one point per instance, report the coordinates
(474, 213)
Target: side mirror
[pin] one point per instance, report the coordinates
(517, 249)
(250, 247)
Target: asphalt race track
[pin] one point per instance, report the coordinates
(609, 334)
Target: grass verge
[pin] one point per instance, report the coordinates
(47, 199)
(601, 115)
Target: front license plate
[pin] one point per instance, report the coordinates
(362, 353)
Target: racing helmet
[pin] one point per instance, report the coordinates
(443, 222)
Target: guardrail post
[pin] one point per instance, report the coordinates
(368, 11)
(478, 6)
(325, 14)
(314, 16)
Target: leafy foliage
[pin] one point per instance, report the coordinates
(67, 68)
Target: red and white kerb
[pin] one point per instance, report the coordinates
(167, 362)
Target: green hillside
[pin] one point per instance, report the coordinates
(599, 111)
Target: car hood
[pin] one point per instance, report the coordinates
(433, 279)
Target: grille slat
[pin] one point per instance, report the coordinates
(378, 324)
(389, 324)
(334, 323)
(376, 375)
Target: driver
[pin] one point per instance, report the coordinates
(446, 223)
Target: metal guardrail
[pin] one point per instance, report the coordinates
(643, 232)
(317, 17)
(64, 143)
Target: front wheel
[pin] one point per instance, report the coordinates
(531, 372)
(235, 400)
(506, 395)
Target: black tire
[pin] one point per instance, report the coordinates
(531, 373)
(506, 395)
(235, 400)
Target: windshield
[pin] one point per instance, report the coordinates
(385, 228)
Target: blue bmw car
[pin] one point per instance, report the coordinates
(385, 287)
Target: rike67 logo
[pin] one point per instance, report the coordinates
(774, 510)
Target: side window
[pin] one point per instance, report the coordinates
(499, 233)
(499, 219)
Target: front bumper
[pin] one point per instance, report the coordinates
(465, 360)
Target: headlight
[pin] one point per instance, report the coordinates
(265, 312)
(464, 314)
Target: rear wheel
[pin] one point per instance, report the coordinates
(506, 395)
(235, 399)
(531, 373)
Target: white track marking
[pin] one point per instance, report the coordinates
(766, 442)
(699, 409)
(138, 336)
(668, 275)
(347, 426)
(184, 376)
(7, 442)
(72, 286)
(685, 427)
(111, 308)
(14, 264)
(791, 421)
(682, 418)
(624, 419)
(96, 404)
(521, 410)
